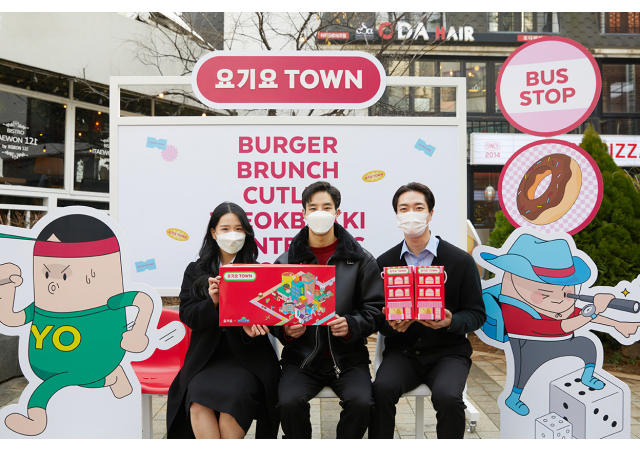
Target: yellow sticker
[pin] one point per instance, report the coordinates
(374, 175)
(177, 234)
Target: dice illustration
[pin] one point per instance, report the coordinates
(594, 414)
(553, 426)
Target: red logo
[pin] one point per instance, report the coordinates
(492, 146)
(385, 30)
(254, 80)
(333, 35)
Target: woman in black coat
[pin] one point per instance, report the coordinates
(230, 374)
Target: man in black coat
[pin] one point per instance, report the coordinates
(335, 354)
(427, 351)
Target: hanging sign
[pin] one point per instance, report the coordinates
(548, 86)
(262, 80)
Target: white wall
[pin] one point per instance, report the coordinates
(67, 43)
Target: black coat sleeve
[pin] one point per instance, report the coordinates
(369, 296)
(198, 313)
(471, 313)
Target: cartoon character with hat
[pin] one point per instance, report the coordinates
(78, 333)
(534, 309)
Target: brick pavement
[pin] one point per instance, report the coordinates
(485, 383)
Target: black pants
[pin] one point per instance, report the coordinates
(445, 376)
(298, 386)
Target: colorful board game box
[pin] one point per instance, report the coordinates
(399, 293)
(277, 294)
(429, 291)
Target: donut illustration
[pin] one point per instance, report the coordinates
(557, 200)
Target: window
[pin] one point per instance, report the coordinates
(32, 80)
(31, 141)
(620, 126)
(620, 22)
(91, 161)
(91, 93)
(448, 95)
(476, 74)
(528, 22)
(619, 88)
(497, 66)
(485, 200)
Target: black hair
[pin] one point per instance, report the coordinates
(76, 228)
(210, 256)
(320, 186)
(417, 187)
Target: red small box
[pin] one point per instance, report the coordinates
(429, 292)
(399, 293)
(277, 294)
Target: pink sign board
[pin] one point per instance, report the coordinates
(260, 80)
(551, 186)
(548, 86)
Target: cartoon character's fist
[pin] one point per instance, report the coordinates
(627, 328)
(134, 342)
(10, 273)
(601, 302)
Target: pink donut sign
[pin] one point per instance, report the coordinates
(548, 86)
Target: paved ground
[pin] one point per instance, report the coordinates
(485, 383)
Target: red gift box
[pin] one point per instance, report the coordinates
(429, 292)
(277, 294)
(399, 293)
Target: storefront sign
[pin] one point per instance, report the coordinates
(406, 31)
(548, 86)
(497, 148)
(333, 35)
(248, 80)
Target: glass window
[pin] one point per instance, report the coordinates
(132, 103)
(476, 74)
(619, 87)
(485, 201)
(424, 97)
(620, 126)
(498, 67)
(34, 81)
(448, 95)
(91, 93)
(521, 21)
(96, 205)
(91, 162)
(620, 22)
(31, 141)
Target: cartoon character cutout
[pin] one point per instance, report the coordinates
(534, 315)
(78, 327)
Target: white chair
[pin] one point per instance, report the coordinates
(419, 393)
(423, 391)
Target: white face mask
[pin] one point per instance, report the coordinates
(413, 223)
(230, 242)
(320, 222)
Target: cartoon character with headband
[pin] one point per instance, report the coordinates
(534, 309)
(79, 333)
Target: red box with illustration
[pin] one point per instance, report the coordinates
(399, 293)
(277, 294)
(429, 291)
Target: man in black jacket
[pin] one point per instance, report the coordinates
(335, 354)
(427, 351)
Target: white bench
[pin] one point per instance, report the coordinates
(419, 393)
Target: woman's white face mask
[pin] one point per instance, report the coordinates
(230, 242)
(320, 222)
(413, 223)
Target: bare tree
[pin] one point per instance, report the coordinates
(184, 40)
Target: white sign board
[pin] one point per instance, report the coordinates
(497, 148)
(171, 177)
